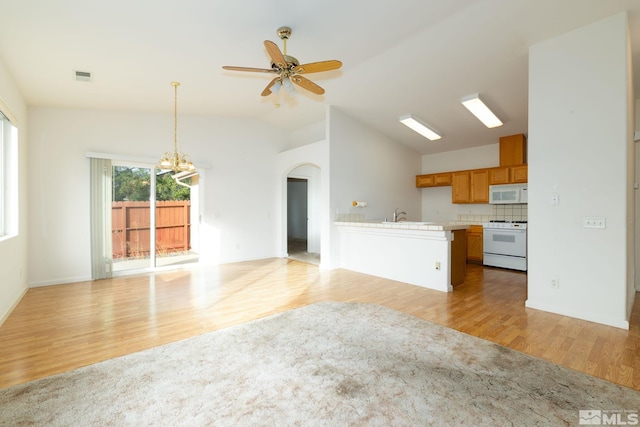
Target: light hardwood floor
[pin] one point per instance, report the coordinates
(59, 328)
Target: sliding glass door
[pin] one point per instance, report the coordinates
(176, 219)
(151, 220)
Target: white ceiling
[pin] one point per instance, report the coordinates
(405, 56)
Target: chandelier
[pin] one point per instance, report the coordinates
(177, 162)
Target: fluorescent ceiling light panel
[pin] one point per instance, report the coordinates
(481, 111)
(418, 126)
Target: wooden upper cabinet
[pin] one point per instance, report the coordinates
(424, 181)
(470, 186)
(433, 180)
(510, 175)
(519, 174)
(442, 179)
(479, 186)
(513, 150)
(499, 176)
(460, 187)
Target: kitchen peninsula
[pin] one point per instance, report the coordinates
(427, 254)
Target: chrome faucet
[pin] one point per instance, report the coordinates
(399, 216)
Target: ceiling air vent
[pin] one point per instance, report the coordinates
(82, 76)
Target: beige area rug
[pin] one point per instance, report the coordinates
(328, 364)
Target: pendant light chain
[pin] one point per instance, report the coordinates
(177, 162)
(175, 115)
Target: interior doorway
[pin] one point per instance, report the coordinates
(297, 214)
(303, 230)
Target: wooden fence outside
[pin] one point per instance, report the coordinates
(131, 224)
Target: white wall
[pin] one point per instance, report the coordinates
(637, 219)
(370, 167)
(579, 140)
(240, 204)
(13, 251)
(436, 201)
(637, 200)
(407, 256)
(307, 135)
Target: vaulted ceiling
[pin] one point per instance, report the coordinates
(406, 56)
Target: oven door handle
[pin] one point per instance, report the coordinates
(504, 231)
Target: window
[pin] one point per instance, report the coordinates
(8, 178)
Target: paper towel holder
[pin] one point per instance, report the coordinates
(358, 204)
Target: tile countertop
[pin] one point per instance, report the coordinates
(407, 225)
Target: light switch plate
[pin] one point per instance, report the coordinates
(594, 222)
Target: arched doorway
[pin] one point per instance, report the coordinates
(303, 219)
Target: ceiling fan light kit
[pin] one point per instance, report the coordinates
(417, 125)
(479, 109)
(288, 86)
(276, 87)
(288, 68)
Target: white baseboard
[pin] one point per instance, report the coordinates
(15, 303)
(60, 281)
(622, 324)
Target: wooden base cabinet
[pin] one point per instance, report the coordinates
(458, 250)
(474, 244)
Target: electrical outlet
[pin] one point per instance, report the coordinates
(555, 283)
(437, 265)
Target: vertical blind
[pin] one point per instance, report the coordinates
(101, 253)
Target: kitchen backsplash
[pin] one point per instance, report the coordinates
(348, 217)
(517, 212)
(500, 212)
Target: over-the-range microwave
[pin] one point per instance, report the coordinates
(507, 193)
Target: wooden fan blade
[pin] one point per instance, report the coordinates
(267, 90)
(307, 84)
(255, 70)
(316, 67)
(275, 54)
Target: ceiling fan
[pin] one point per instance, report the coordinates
(288, 69)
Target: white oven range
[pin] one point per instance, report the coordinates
(505, 244)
